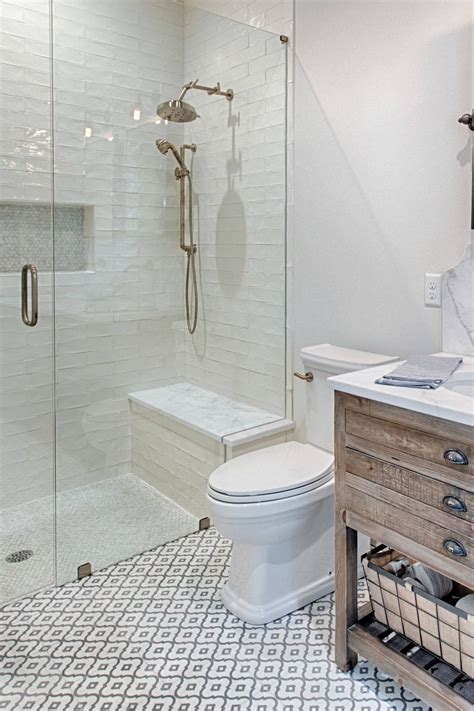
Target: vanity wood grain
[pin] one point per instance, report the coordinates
(394, 484)
(393, 480)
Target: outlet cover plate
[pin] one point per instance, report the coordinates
(433, 290)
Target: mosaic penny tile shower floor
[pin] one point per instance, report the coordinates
(100, 524)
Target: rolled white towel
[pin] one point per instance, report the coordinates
(466, 603)
(434, 583)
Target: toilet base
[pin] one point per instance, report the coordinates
(283, 554)
(260, 615)
(274, 577)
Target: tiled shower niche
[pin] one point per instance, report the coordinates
(26, 236)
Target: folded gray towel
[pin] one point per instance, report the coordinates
(428, 372)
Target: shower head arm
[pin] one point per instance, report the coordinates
(185, 89)
(210, 90)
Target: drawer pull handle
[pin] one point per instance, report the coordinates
(455, 456)
(454, 504)
(454, 547)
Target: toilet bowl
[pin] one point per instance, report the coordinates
(277, 505)
(280, 535)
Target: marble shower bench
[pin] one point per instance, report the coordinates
(181, 433)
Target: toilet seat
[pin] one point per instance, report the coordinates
(278, 472)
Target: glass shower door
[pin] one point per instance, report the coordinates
(129, 479)
(118, 285)
(27, 504)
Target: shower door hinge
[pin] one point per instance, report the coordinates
(84, 570)
(283, 39)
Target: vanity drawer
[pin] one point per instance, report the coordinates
(455, 546)
(439, 450)
(448, 498)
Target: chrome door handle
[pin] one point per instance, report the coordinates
(31, 271)
(304, 376)
(455, 456)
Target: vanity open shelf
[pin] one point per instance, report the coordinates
(405, 479)
(411, 665)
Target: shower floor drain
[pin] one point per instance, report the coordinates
(19, 556)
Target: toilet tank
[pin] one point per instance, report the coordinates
(323, 361)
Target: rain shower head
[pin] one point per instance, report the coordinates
(177, 111)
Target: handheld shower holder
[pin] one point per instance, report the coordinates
(181, 173)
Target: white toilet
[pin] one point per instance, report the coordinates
(277, 504)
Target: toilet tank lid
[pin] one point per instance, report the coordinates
(342, 360)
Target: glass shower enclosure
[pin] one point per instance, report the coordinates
(27, 426)
(112, 413)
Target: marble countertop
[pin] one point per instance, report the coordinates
(443, 402)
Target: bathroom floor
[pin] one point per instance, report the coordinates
(99, 524)
(150, 633)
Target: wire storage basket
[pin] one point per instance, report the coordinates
(437, 625)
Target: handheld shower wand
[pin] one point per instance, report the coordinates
(164, 146)
(182, 173)
(180, 111)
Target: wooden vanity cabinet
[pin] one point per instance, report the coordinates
(407, 480)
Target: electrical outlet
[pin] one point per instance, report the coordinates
(433, 290)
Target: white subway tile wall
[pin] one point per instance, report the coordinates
(173, 458)
(177, 460)
(26, 372)
(26, 393)
(120, 321)
(239, 182)
(114, 321)
(119, 325)
(276, 16)
(273, 15)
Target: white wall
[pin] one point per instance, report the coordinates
(382, 169)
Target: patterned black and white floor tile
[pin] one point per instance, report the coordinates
(151, 633)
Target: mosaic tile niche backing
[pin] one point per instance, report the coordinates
(26, 236)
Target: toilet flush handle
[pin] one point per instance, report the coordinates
(304, 376)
